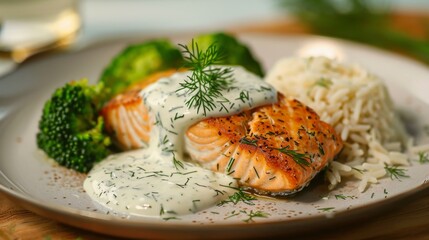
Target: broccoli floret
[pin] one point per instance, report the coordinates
(235, 52)
(139, 61)
(70, 129)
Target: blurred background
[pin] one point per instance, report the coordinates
(104, 17)
(31, 26)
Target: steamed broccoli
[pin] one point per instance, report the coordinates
(235, 52)
(139, 61)
(70, 130)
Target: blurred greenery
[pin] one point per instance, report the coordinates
(363, 21)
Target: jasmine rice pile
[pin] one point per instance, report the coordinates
(359, 107)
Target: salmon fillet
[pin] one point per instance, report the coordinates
(126, 118)
(275, 149)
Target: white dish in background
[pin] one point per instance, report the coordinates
(57, 193)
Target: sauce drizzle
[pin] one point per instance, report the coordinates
(160, 181)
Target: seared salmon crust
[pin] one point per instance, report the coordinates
(275, 149)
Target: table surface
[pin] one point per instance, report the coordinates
(408, 220)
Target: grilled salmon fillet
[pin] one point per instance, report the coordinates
(127, 120)
(275, 149)
(125, 116)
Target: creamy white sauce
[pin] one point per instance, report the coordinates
(140, 185)
(157, 181)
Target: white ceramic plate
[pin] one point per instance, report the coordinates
(55, 192)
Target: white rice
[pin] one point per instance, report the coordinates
(358, 106)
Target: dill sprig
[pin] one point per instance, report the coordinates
(251, 215)
(423, 157)
(177, 163)
(253, 142)
(299, 158)
(239, 196)
(395, 172)
(206, 82)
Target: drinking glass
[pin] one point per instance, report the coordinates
(31, 26)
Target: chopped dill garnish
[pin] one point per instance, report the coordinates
(256, 171)
(299, 158)
(343, 197)
(423, 157)
(161, 211)
(327, 209)
(158, 121)
(323, 82)
(311, 134)
(321, 151)
(177, 116)
(249, 142)
(218, 192)
(182, 173)
(253, 214)
(184, 184)
(164, 140)
(233, 213)
(205, 84)
(244, 96)
(340, 196)
(262, 89)
(239, 196)
(395, 172)
(177, 163)
(229, 165)
(170, 218)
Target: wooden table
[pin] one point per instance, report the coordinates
(410, 220)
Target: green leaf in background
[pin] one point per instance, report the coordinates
(357, 20)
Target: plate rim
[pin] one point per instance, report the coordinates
(138, 228)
